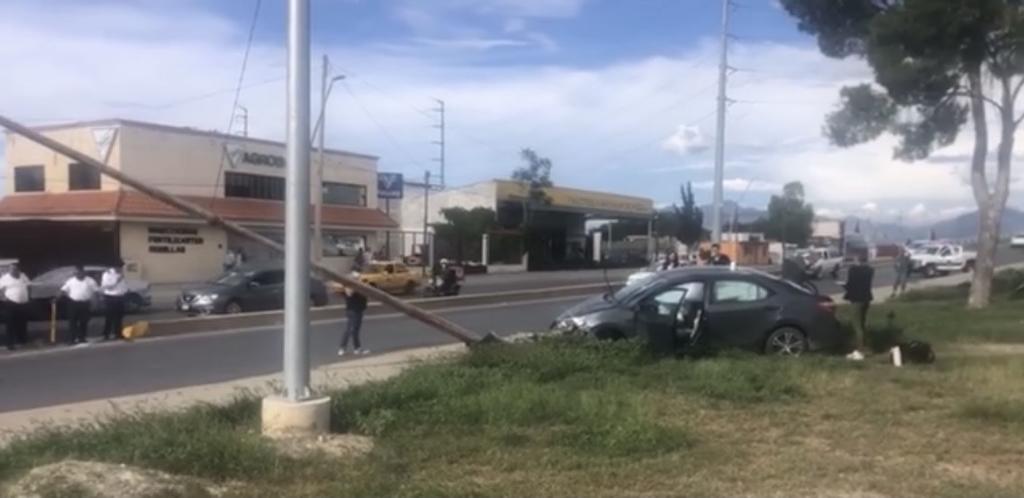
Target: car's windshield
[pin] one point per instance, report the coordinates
(932, 250)
(234, 277)
(628, 292)
(56, 275)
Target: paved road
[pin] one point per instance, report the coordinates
(65, 375)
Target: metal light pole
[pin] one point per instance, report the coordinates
(296, 285)
(426, 222)
(318, 177)
(723, 75)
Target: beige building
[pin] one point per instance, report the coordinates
(56, 212)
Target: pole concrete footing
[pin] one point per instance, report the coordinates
(281, 416)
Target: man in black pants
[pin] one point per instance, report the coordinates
(80, 290)
(355, 306)
(114, 290)
(14, 298)
(858, 292)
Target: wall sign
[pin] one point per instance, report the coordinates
(390, 185)
(173, 240)
(237, 155)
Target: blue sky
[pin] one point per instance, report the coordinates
(619, 94)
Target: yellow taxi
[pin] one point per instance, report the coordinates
(389, 276)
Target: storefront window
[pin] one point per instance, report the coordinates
(344, 194)
(29, 179)
(342, 245)
(83, 177)
(248, 186)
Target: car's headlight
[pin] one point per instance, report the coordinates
(206, 299)
(573, 324)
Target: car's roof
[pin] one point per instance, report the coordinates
(707, 271)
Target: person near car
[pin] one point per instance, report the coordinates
(114, 290)
(230, 259)
(671, 261)
(355, 307)
(14, 293)
(80, 290)
(717, 258)
(361, 261)
(904, 265)
(859, 281)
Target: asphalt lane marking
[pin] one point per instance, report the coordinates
(201, 335)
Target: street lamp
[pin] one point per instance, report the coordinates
(318, 177)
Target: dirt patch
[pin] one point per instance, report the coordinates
(102, 480)
(335, 445)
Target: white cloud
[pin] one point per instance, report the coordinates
(741, 185)
(869, 207)
(687, 140)
(918, 211)
(603, 126)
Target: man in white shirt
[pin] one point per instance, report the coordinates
(14, 294)
(80, 290)
(114, 289)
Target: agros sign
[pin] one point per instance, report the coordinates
(240, 156)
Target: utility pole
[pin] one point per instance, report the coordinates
(326, 85)
(440, 143)
(723, 77)
(245, 120)
(296, 285)
(318, 178)
(426, 221)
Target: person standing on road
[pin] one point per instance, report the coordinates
(903, 267)
(80, 289)
(355, 307)
(361, 261)
(859, 281)
(717, 258)
(671, 261)
(230, 260)
(114, 289)
(14, 293)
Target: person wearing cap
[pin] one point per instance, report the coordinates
(114, 290)
(14, 294)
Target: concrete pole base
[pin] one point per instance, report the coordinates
(311, 417)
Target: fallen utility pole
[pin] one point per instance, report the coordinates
(192, 209)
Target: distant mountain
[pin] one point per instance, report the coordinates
(743, 214)
(962, 227)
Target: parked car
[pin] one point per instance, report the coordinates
(742, 308)
(250, 288)
(942, 259)
(45, 287)
(1017, 241)
(820, 261)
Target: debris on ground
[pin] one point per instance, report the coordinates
(103, 480)
(334, 445)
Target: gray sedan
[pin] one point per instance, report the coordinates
(742, 308)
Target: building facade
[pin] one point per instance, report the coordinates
(57, 212)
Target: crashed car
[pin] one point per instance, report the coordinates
(741, 308)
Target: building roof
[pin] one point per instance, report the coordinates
(130, 204)
(182, 130)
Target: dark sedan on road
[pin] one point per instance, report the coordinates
(243, 290)
(742, 308)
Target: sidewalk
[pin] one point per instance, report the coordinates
(328, 377)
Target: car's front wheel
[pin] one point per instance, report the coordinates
(233, 308)
(786, 341)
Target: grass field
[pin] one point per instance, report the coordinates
(573, 417)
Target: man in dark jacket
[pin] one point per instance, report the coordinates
(717, 258)
(858, 293)
(355, 307)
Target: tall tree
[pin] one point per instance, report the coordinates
(790, 219)
(536, 175)
(938, 65)
(465, 227)
(685, 223)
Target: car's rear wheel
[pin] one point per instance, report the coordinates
(410, 287)
(233, 308)
(133, 303)
(930, 271)
(969, 267)
(786, 341)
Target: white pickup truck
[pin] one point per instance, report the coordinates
(941, 259)
(821, 261)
